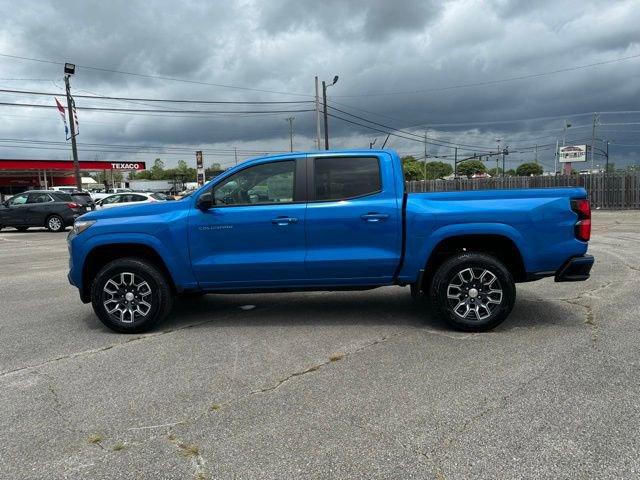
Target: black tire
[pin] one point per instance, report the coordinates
(55, 223)
(123, 318)
(22, 229)
(482, 306)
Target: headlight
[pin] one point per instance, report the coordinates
(80, 226)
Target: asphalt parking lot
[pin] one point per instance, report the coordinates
(322, 385)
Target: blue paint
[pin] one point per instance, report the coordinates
(351, 242)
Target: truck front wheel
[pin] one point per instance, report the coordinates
(473, 292)
(130, 295)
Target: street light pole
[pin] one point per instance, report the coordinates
(326, 116)
(69, 69)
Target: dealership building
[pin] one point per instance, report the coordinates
(19, 175)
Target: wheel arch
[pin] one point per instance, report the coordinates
(100, 255)
(500, 246)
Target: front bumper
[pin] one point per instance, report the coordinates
(575, 269)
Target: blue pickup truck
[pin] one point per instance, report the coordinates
(335, 220)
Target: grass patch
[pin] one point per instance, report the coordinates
(95, 438)
(336, 356)
(215, 407)
(189, 449)
(118, 446)
(590, 320)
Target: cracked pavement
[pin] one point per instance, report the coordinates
(322, 385)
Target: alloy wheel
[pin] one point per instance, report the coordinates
(474, 294)
(55, 223)
(127, 297)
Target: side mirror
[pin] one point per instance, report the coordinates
(205, 201)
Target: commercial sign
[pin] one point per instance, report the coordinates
(127, 165)
(572, 153)
(200, 168)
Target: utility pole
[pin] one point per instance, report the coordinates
(504, 152)
(326, 120)
(235, 154)
(326, 116)
(290, 120)
(555, 159)
(536, 157)
(593, 138)
(455, 162)
(317, 116)
(606, 168)
(425, 156)
(69, 69)
(371, 144)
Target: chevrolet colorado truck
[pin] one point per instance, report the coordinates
(334, 220)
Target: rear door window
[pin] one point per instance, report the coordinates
(341, 178)
(39, 198)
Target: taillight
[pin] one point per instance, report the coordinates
(73, 205)
(583, 225)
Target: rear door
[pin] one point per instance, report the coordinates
(254, 234)
(353, 221)
(40, 205)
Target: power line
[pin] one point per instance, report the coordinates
(189, 149)
(493, 82)
(162, 100)
(156, 77)
(134, 110)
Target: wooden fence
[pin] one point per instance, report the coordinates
(607, 191)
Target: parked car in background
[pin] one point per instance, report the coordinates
(83, 198)
(40, 208)
(100, 194)
(121, 199)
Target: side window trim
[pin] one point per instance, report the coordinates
(311, 179)
(299, 185)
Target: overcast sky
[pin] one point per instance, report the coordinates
(410, 65)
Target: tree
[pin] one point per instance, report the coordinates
(469, 167)
(413, 170)
(495, 172)
(103, 179)
(157, 171)
(437, 170)
(511, 172)
(528, 169)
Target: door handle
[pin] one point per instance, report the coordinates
(373, 217)
(284, 220)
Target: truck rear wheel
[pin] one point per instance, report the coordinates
(131, 295)
(473, 292)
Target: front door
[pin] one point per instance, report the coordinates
(254, 234)
(15, 212)
(354, 223)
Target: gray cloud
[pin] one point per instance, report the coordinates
(376, 47)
